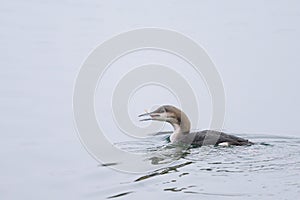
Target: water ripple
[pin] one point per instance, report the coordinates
(249, 172)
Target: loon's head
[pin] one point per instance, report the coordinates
(170, 114)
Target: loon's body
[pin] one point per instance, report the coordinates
(211, 137)
(182, 134)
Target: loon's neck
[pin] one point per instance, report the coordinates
(181, 129)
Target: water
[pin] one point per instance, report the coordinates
(255, 47)
(267, 170)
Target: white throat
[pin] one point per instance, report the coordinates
(179, 133)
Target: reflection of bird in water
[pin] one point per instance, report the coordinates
(182, 134)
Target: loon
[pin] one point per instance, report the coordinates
(182, 135)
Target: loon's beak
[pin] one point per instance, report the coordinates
(153, 116)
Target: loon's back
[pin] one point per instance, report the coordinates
(211, 137)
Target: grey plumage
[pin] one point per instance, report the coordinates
(211, 137)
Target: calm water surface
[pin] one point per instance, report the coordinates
(269, 169)
(44, 43)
